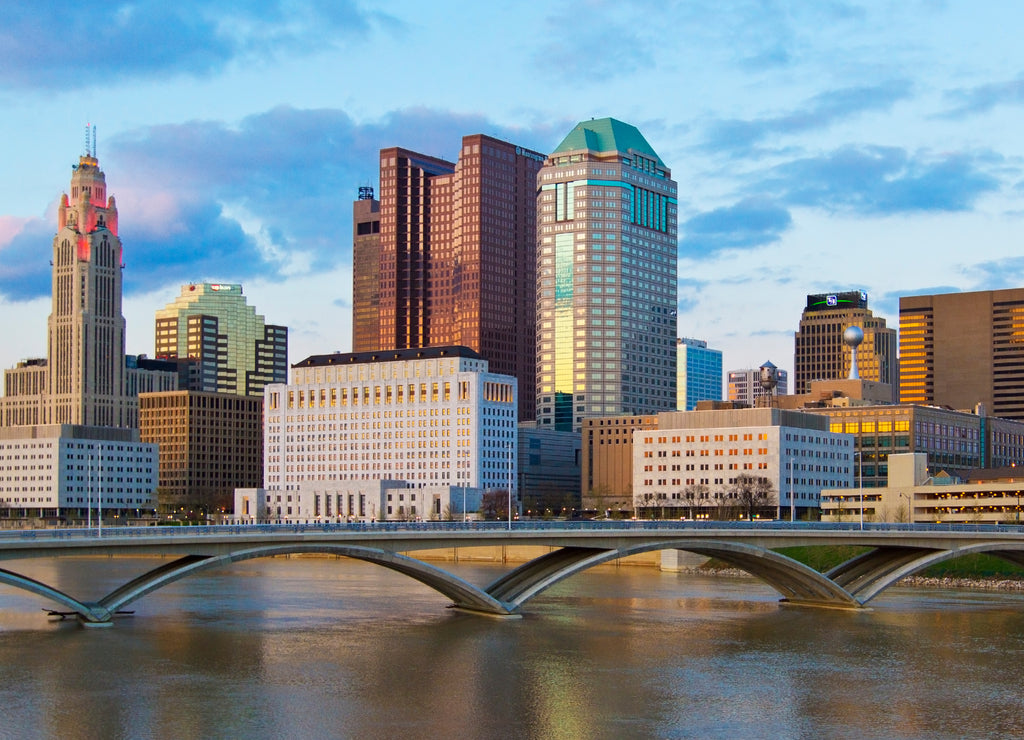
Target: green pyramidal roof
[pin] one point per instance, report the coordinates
(607, 135)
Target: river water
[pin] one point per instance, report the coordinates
(331, 648)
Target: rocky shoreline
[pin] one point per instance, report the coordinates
(994, 583)
(973, 584)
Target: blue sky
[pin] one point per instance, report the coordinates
(817, 146)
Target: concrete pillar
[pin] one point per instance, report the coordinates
(675, 561)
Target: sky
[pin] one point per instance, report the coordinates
(818, 146)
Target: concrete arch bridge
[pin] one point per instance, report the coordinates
(895, 551)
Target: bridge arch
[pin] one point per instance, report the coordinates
(850, 585)
(84, 610)
(798, 583)
(461, 592)
(866, 576)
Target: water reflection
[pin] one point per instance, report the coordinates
(335, 648)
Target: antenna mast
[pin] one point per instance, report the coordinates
(90, 140)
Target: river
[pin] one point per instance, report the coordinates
(332, 648)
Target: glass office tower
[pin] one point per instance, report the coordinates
(606, 278)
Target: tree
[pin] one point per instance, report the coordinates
(694, 494)
(494, 504)
(752, 493)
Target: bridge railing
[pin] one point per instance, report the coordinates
(478, 526)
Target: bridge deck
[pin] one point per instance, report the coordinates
(893, 552)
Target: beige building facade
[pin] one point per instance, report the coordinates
(209, 443)
(992, 496)
(964, 350)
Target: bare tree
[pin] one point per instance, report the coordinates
(494, 504)
(695, 493)
(752, 493)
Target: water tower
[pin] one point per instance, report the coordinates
(852, 338)
(769, 379)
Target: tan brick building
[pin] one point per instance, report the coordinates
(210, 444)
(607, 462)
(964, 349)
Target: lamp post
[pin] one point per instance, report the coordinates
(792, 500)
(510, 486)
(910, 506)
(860, 484)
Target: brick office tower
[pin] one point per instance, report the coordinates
(456, 256)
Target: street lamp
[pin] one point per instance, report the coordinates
(510, 486)
(910, 506)
(792, 501)
(860, 484)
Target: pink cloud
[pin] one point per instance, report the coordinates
(10, 227)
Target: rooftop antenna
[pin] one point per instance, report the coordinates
(94, 142)
(87, 127)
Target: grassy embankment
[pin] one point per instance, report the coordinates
(968, 566)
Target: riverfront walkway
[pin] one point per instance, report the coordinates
(895, 551)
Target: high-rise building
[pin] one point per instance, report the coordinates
(606, 295)
(821, 354)
(82, 381)
(455, 257)
(229, 346)
(964, 349)
(698, 373)
(70, 448)
(744, 386)
(366, 271)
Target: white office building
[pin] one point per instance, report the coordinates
(797, 454)
(402, 434)
(66, 471)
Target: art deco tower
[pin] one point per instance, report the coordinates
(86, 327)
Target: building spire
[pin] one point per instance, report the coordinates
(90, 141)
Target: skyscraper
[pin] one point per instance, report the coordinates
(69, 440)
(698, 373)
(962, 349)
(82, 381)
(820, 353)
(366, 271)
(455, 256)
(231, 346)
(606, 300)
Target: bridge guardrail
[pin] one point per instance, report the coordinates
(478, 526)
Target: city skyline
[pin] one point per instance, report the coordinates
(852, 146)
